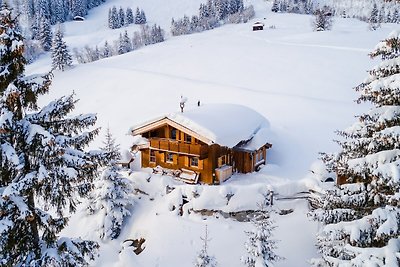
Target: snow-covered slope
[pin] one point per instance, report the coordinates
(299, 79)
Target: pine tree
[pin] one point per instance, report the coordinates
(395, 18)
(110, 20)
(260, 246)
(275, 6)
(106, 50)
(113, 20)
(203, 11)
(157, 34)
(59, 11)
(12, 61)
(143, 19)
(374, 18)
(389, 17)
(202, 258)
(121, 17)
(362, 216)
(127, 43)
(129, 16)
(137, 16)
(78, 8)
(322, 21)
(121, 49)
(42, 161)
(381, 16)
(45, 34)
(59, 52)
(112, 195)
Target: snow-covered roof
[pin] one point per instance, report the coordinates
(224, 124)
(257, 23)
(126, 156)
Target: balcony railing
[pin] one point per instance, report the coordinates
(179, 147)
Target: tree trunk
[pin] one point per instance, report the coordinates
(34, 224)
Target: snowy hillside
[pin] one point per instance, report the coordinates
(300, 80)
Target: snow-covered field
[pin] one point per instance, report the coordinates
(300, 80)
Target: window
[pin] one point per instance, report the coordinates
(188, 138)
(169, 157)
(194, 162)
(173, 133)
(152, 156)
(261, 155)
(222, 161)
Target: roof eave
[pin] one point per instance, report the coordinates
(167, 121)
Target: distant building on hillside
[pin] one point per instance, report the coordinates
(205, 144)
(258, 26)
(78, 18)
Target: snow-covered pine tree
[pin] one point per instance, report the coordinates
(322, 20)
(129, 16)
(12, 61)
(373, 19)
(106, 50)
(121, 49)
(396, 17)
(203, 12)
(203, 259)
(111, 198)
(362, 216)
(143, 19)
(59, 11)
(127, 43)
(275, 6)
(389, 17)
(137, 16)
(260, 246)
(78, 7)
(109, 20)
(60, 56)
(44, 33)
(41, 161)
(157, 35)
(113, 20)
(121, 17)
(381, 16)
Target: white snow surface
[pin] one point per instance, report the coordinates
(299, 79)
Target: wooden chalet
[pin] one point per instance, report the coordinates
(206, 144)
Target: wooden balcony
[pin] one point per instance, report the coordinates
(179, 147)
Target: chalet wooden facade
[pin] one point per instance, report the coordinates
(178, 142)
(258, 26)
